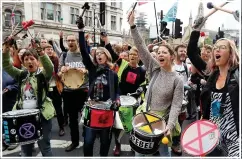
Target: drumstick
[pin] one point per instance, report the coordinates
(215, 10)
(132, 10)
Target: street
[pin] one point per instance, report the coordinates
(58, 145)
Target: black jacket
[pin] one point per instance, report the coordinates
(94, 71)
(233, 90)
(193, 52)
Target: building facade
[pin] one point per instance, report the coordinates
(52, 17)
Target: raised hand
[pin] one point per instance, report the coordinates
(80, 23)
(131, 18)
(199, 23)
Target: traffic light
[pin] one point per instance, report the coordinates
(102, 13)
(178, 28)
(163, 26)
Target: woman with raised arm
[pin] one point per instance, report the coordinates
(167, 90)
(102, 81)
(220, 96)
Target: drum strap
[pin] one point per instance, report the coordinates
(150, 89)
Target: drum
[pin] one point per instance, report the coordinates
(200, 138)
(126, 112)
(22, 126)
(97, 115)
(73, 78)
(148, 130)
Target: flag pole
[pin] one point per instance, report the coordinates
(156, 23)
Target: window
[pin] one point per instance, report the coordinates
(8, 17)
(42, 8)
(17, 16)
(50, 11)
(113, 22)
(74, 15)
(113, 4)
(88, 18)
(58, 13)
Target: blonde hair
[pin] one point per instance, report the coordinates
(233, 59)
(134, 49)
(108, 55)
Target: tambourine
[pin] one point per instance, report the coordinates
(73, 78)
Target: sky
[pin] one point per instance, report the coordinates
(183, 12)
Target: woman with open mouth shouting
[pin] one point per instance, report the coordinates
(166, 87)
(220, 95)
(103, 86)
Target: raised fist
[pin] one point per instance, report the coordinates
(80, 23)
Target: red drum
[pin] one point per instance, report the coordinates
(200, 138)
(97, 115)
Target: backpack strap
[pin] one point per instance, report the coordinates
(186, 69)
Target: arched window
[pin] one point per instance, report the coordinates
(18, 17)
(7, 15)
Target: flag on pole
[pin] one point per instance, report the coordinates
(171, 14)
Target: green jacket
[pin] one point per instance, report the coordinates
(48, 110)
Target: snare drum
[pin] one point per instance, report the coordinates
(22, 126)
(73, 78)
(148, 130)
(97, 115)
(126, 112)
(200, 138)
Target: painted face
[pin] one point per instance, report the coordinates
(182, 54)
(49, 51)
(101, 57)
(206, 54)
(164, 57)
(31, 63)
(221, 53)
(133, 57)
(43, 42)
(72, 43)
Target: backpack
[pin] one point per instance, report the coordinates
(42, 85)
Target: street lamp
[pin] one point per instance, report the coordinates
(94, 8)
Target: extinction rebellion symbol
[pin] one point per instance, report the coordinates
(27, 130)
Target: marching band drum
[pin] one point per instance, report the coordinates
(148, 130)
(22, 126)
